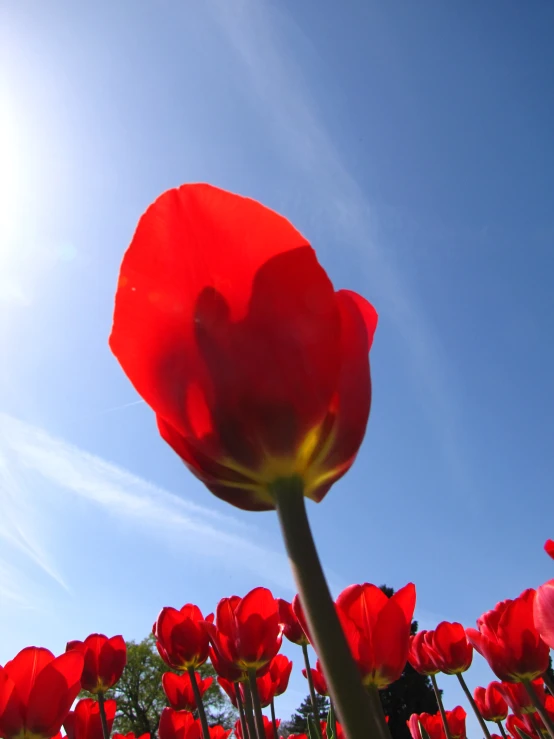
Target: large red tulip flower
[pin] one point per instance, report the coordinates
(104, 661)
(509, 641)
(229, 328)
(181, 637)
(377, 629)
(37, 691)
(84, 721)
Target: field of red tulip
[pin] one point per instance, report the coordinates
(258, 373)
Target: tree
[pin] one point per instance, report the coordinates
(141, 699)
(411, 693)
(298, 723)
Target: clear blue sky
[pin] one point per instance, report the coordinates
(412, 144)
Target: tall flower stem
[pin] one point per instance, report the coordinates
(472, 703)
(256, 703)
(103, 719)
(502, 729)
(242, 716)
(547, 721)
(326, 632)
(249, 713)
(199, 703)
(441, 706)
(378, 712)
(274, 720)
(313, 699)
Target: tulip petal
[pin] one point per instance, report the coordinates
(53, 692)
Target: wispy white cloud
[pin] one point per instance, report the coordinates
(254, 30)
(132, 501)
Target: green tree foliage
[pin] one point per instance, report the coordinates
(411, 693)
(298, 723)
(141, 699)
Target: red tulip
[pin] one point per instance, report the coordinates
(266, 689)
(37, 691)
(456, 720)
(452, 651)
(280, 668)
(231, 331)
(298, 611)
(518, 699)
(247, 631)
(181, 638)
(549, 547)
(226, 670)
(318, 679)
(104, 661)
(491, 703)
(85, 722)
(178, 725)
(544, 612)
(218, 732)
(129, 735)
(509, 641)
(268, 728)
(378, 630)
(179, 692)
(422, 655)
(292, 628)
(515, 724)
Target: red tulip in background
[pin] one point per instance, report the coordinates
(181, 638)
(130, 735)
(266, 689)
(226, 670)
(509, 641)
(452, 651)
(178, 725)
(179, 692)
(37, 691)
(456, 720)
(544, 612)
(378, 630)
(84, 722)
(247, 632)
(490, 702)
(231, 331)
(549, 547)
(229, 688)
(518, 699)
(421, 654)
(280, 669)
(268, 728)
(298, 611)
(318, 679)
(292, 628)
(104, 661)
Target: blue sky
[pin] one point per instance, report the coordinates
(412, 144)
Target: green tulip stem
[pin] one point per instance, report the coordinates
(274, 720)
(313, 699)
(339, 668)
(472, 703)
(256, 703)
(240, 706)
(103, 719)
(502, 729)
(379, 713)
(547, 721)
(441, 706)
(249, 712)
(199, 703)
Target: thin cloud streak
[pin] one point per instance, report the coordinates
(276, 81)
(129, 499)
